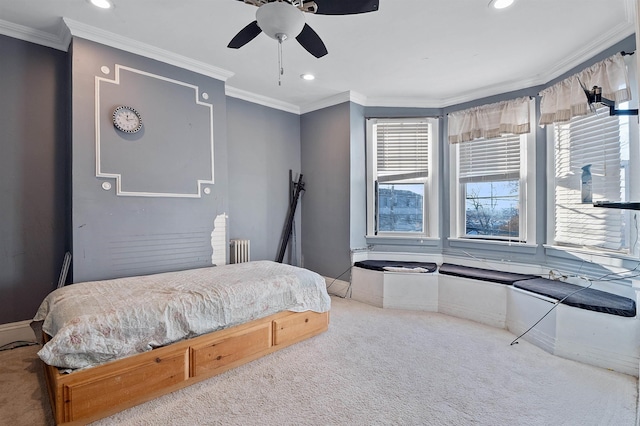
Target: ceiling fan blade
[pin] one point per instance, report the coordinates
(345, 7)
(310, 40)
(245, 35)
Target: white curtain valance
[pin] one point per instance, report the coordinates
(566, 99)
(490, 121)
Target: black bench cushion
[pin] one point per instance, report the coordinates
(381, 265)
(590, 299)
(483, 274)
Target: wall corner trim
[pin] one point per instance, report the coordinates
(78, 29)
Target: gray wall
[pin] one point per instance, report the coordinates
(358, 179)
(120, 235)
(326, 161)
(264, 144)
(34, 93)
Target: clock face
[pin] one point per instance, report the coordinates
(127, 119)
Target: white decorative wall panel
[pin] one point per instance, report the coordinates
(172, 156)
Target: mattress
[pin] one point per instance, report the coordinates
(95, 322)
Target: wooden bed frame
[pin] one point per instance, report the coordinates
(90, 394)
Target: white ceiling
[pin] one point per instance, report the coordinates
(409, 53)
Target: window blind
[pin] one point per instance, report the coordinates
(490, 159)
(402, 149)
(595, 140)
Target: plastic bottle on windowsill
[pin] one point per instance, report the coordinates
(587, 197)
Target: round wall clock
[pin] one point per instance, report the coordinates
(127, 119)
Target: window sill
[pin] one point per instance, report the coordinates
(611, 259)
(523, 248)
(402, 240)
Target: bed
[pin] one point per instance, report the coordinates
(109, 345)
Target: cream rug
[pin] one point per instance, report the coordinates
(373, 367)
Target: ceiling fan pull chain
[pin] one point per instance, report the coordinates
(280, 66)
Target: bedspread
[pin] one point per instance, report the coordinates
(94, 322)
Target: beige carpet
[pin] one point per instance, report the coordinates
(23, 398)
(372, 367)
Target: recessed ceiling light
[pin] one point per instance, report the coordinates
(500, 4)
(102, 4)
(308, 77)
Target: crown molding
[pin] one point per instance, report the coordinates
(485, 92)
(326, 102)
(404, 102)
(234, 92)
(69, 28)
(59, 41)
(603, 42)
(600, 44)
(339, 98)
(78, 29)
(348, 96)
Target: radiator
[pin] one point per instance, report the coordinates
(240, 251)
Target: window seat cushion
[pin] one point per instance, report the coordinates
(491, 275)
(590, 299)
(397, 266)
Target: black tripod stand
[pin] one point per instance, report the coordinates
(288, 225)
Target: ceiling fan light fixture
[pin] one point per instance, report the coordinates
(280, 18)
(102, 4)
(500, 4)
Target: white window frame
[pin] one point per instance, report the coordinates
(631, 234)
(602, 256)
(527, 203)
(431, 184)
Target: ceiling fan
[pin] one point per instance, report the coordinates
(283, 19)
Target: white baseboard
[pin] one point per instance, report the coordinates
(15, 331)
